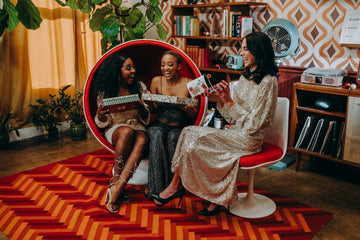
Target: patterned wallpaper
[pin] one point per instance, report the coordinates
(319, 23)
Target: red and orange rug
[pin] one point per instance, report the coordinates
(65, 200)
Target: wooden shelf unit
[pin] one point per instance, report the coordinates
(304, 96)
(222, 73)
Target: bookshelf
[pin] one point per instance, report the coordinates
(217, 67)
(346, 105)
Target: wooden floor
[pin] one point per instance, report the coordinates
(325, 185)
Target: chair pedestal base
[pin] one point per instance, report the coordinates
(140, 176)
(256, 207)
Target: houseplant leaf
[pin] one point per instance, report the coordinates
(12, 15)
(110, 28)
(98, 2)
(86, 6)
(116, 3)
(98, 17)
(139, 29)
(154, 3)
(29, 15)
(154, 14)
(73, 4)
(161, 32)
(134, 16)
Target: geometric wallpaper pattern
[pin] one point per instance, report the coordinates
(319, 23)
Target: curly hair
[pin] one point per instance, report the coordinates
(108, 76)
(259, 45)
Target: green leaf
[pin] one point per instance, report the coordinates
(134, 16)
(98, 2)
(4, 16)
(103, 45)
(128, 33)
(97, 19)
(161, 32)
(29, 15)
(154, 3)
(61, 3)
(154, 14)
(116, 3)
(73, 4)
(86, 6)
(13, 16)
(140, 28)
(110, 28)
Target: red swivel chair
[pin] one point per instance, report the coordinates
(250, 204)
(146, 54)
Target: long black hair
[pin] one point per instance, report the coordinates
(108, 76)
(259, 45)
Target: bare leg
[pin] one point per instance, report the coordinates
(173, 187)
(138, 141)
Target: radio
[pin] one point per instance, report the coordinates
(325, 76)
(234, 62)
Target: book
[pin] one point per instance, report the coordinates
(246, 26)
(121, 103)
(206, 58)
(195, 27)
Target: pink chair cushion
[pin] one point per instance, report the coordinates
(268, 154)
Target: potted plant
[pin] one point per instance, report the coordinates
(5, 127)
(74, 112)
(47, 113)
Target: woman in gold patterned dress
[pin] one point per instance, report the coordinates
(125, 130)
(206, 160)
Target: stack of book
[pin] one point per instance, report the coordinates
(240, 25)
(201, 56)
(186, 25)
(321, 135)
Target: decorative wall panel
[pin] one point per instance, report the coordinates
(318, 21)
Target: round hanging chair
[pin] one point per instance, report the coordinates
(146, 55)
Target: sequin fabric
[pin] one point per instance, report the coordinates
(207, 159)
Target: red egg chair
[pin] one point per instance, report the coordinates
(146, 55)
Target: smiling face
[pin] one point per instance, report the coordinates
(128, 71)
(248, 57)
(169, 66)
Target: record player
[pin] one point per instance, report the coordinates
(325, 76)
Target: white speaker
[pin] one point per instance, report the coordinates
(324, 76)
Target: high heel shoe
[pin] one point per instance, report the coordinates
(206, 212)
(109, 204)
(179, 194)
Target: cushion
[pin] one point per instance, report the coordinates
(270, 153)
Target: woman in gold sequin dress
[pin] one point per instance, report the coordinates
(206, 160)
(125, 130)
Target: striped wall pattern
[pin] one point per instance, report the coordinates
(65, 200)
(319, 23)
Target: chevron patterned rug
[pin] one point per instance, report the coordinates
(65, 200)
